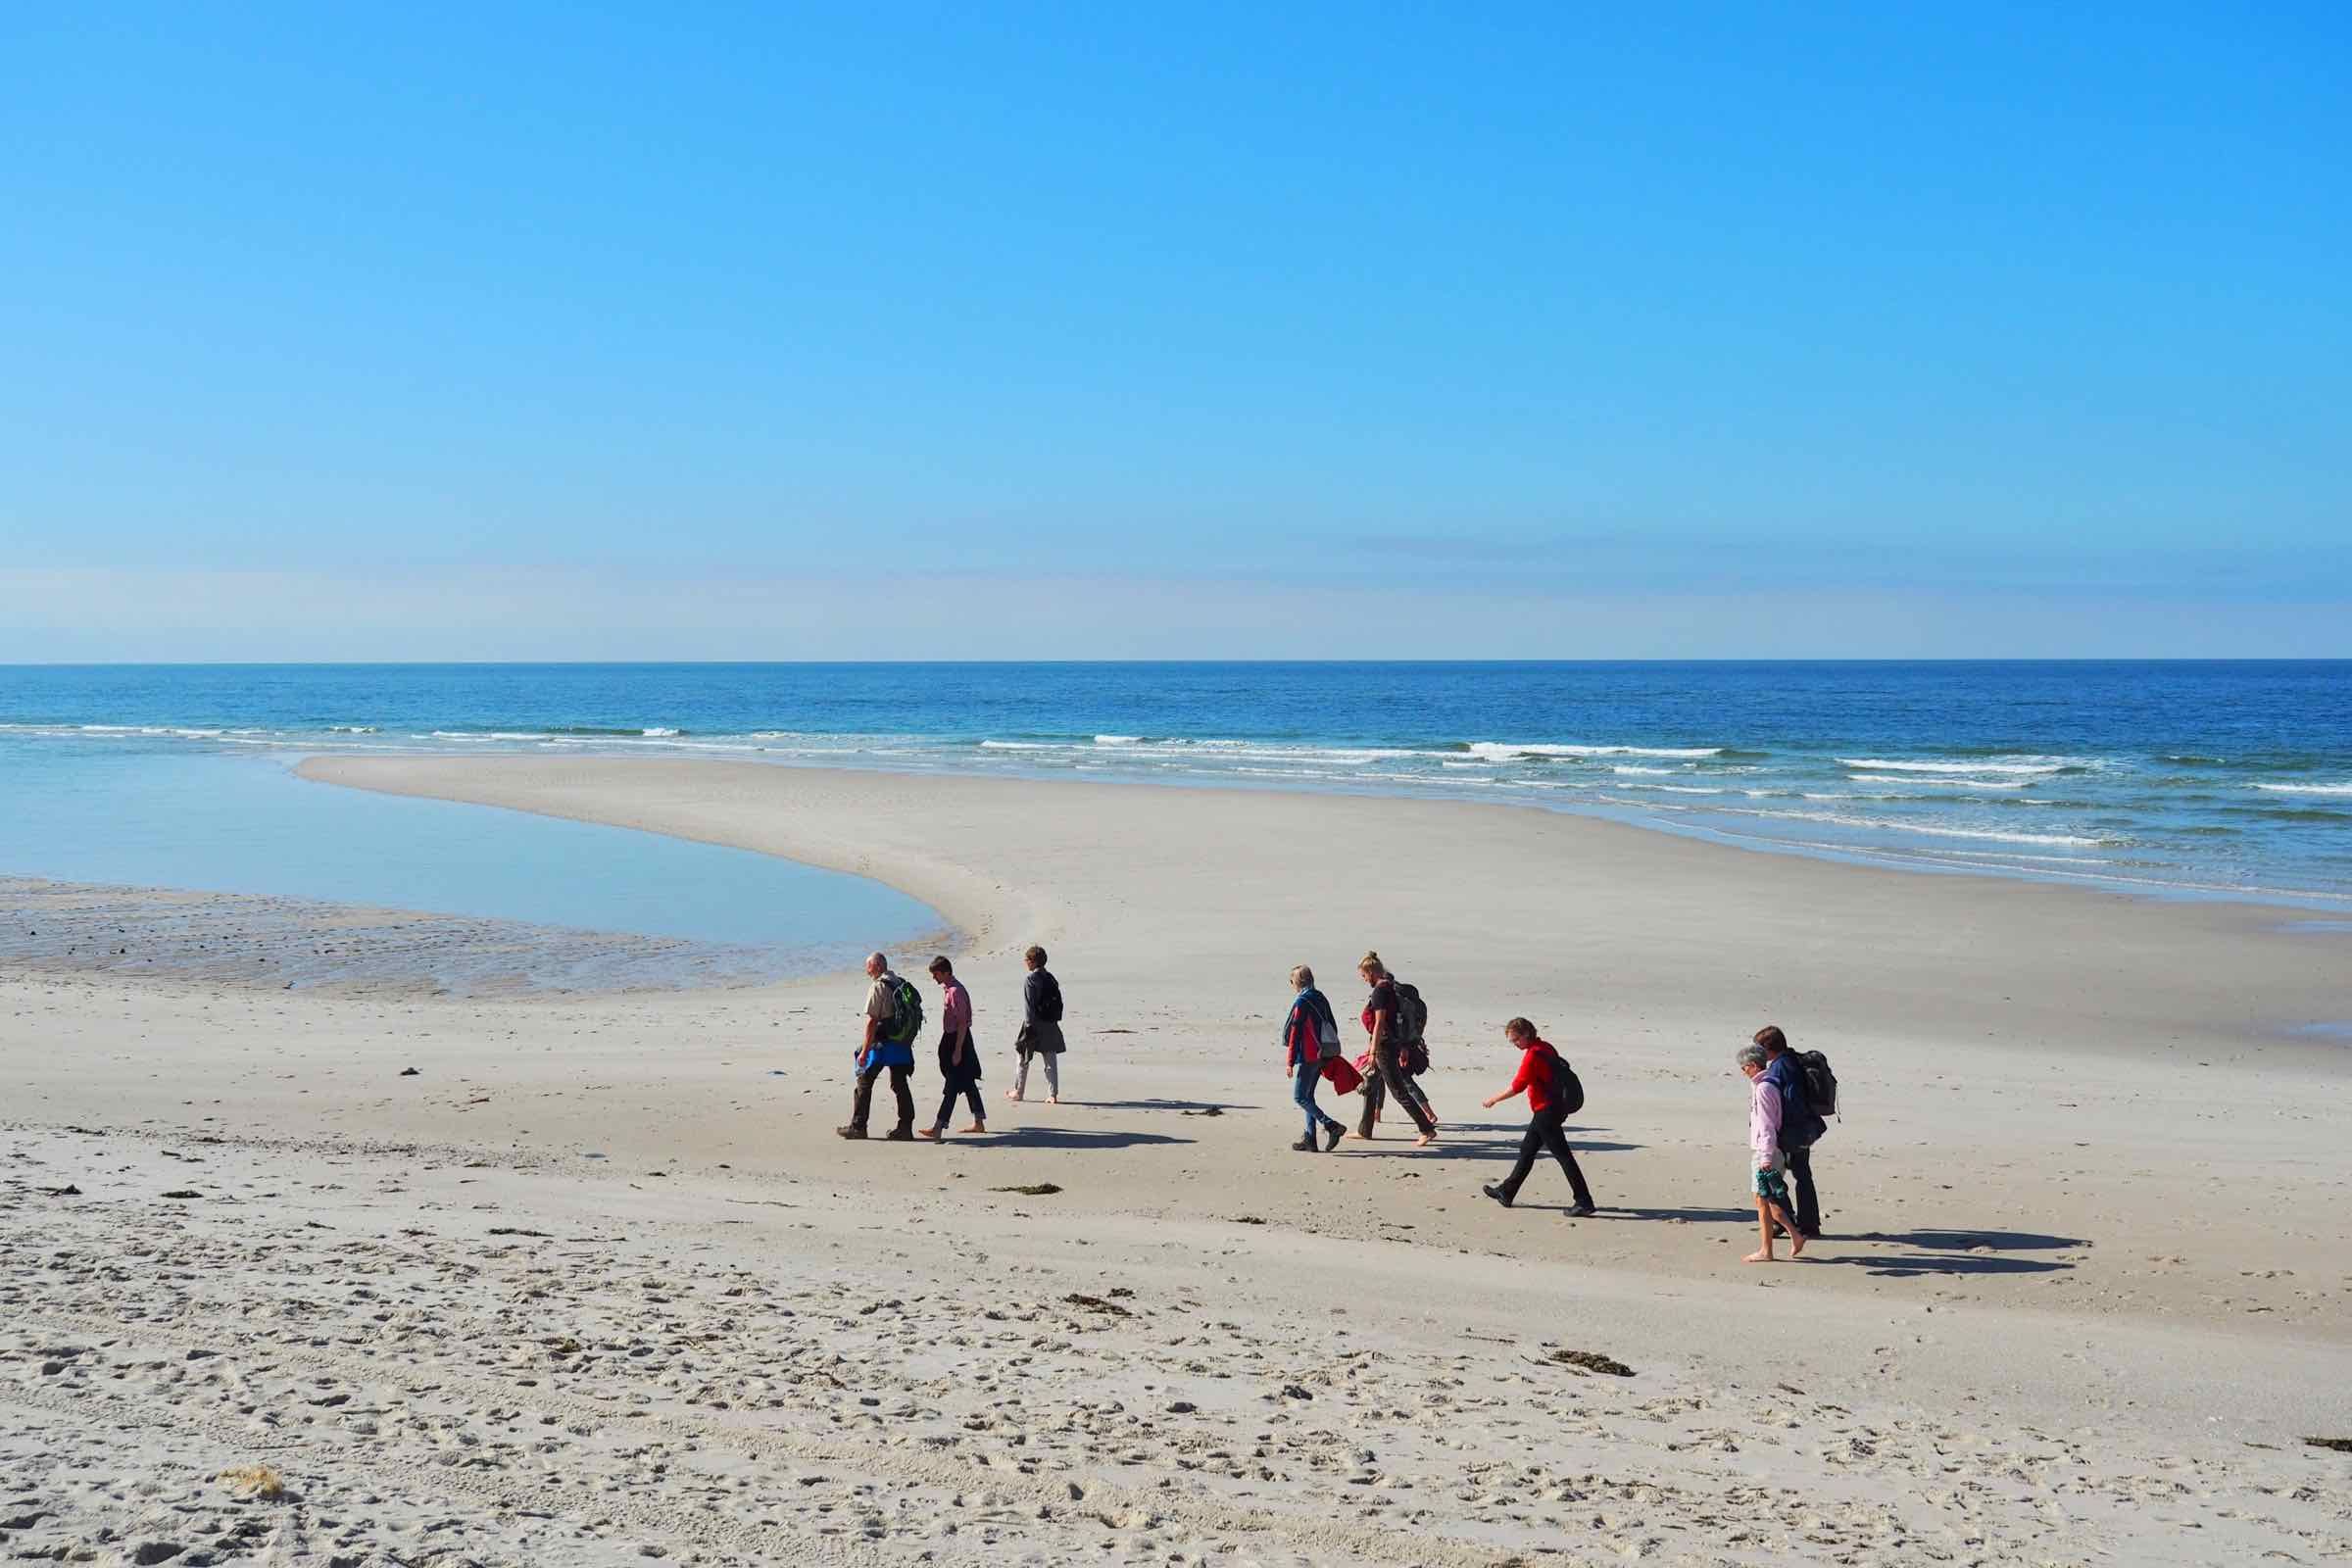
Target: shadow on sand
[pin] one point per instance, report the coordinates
(1487, 1141)
(1062, 1138)
(1955, 1253)
(1195, 1106)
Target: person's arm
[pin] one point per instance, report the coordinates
(1767, 1130)
(1518, 1083)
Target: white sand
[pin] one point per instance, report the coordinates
(2085, 1288)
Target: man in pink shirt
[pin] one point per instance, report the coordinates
(958, 1057)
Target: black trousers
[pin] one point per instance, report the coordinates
(1801, 1186)
(1543, 1133)
(1389, 1075)
(863, 1104)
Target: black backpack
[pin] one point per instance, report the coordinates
(1048, 997)
(1821, 1084)
(1567, 1090)
(1412, 1014)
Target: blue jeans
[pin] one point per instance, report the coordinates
(1303, 1080)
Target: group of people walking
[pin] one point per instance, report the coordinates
(894, 1019)
(1787, 1094)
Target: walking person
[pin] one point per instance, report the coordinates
(959, 1057)
(1041, 1028)
(1801, 1125)
(1764, 1154)
(1553, 1095)
(1310, 1036)
(894, 1016)
(1392, 1033)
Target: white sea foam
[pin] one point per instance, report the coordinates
(2306, 789)
(1938, 781)
(1633, 768)
(1118, 739)
(1020, 746)
(1926, 764)
(1894, 825)
(1507, 752)
(658, 730)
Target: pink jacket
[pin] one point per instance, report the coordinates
(1764, 1123)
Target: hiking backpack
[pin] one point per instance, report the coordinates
(907, 1021)
(1821, 1084)
(1049, 1001)
(1567, 1090)
(1412, 1014)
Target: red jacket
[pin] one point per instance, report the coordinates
(1535, 1075)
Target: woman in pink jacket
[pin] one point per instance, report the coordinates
(1764, 1154)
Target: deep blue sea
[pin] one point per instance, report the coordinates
(2211, 779)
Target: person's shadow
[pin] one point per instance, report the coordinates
(1943, 1252)
(1034, 1137)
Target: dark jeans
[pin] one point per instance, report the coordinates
(1800, 1183)
(1303, 1081)
(970, 1091)
(1544, 1132)
(1390, 1082)
(864, 1103)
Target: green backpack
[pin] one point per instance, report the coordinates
(907, 1021)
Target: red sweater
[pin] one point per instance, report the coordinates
(1535, 1076)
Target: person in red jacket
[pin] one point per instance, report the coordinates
(1543, 1075)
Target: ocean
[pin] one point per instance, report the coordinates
(2215, 779)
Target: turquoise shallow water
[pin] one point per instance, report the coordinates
(245, 823)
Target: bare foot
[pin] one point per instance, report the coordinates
(932, 1133)
(977, 1127)
(1353, 1133)
(1797, 1243)
(1053, 1100)
(1013, 1095)
(1759, 1257)
(1425, 1140)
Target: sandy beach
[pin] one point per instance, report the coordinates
(588, 1278)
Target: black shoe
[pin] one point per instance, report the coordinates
(851, 1132)
(898, 1135)
(1498, 1195)
(1333, 1132)
(1305, 1145)
(1584, 1211)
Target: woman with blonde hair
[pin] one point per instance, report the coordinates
(1391, 1032)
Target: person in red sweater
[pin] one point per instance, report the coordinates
(1545, 1079)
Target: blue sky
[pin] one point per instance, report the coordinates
(1024, 331)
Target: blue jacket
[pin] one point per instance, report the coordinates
(1801, 1126)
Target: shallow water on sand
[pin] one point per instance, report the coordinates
(245, 825)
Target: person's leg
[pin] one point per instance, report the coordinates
(861, 1103)
(1054, 1076)
(1400, 1090)
(1800, 1182)
(902, 1081)
(1302, 1095)
(1020, 1078)
(971, 1097)
(1763, 1252)
(1374, 1094)
(947, 1109)
(1555, 1139)
(1532, 1144)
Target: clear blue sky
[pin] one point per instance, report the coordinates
(417, 331)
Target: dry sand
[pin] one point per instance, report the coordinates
(2083, 1292)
